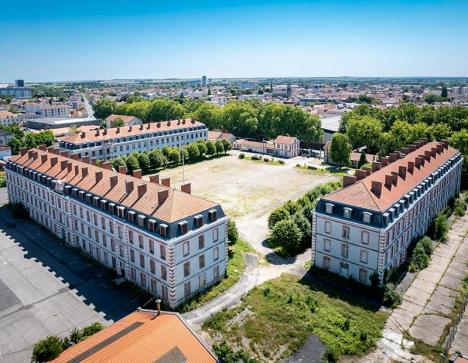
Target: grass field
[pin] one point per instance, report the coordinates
(276, 318)
(235, 268)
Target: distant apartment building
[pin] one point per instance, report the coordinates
(167, 241)
(282, 146)
(8, 118)
(16, 92)
(216, 135)
(5, 137)
(127, 120)
(367, 226)
(45, 110)
(120, 141)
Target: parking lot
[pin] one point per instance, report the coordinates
(47, 288)
(249, 190)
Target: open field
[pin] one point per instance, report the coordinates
(248, 190)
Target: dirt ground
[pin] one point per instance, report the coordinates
(248, 190)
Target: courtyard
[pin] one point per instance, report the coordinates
(248, 190)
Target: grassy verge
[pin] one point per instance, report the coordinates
(328, 170)
(276, 318)
(234, 271)
(263, 159)
(2, 179)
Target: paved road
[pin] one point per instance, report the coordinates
(47, 288)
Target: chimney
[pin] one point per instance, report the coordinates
(410, 167)
(106, 165)
(97, 132)
(394, 178)
(30, 153)
(24, 150)
(148, 126)
(123, 169)
(166, 181)
(42, 147)
(347, 180)
(367, 169)
(446, 143)
(53, 161)
(128, 186)
(137, 173)
(376, 188)
(75, 156)
(187, 187)
(422, 160)
(417, 162)
(402, 172)
(69, 167)
(77, 169)
(35, 155)
(141, 127)
(384, 161)
(376, 166)
(104, 132)
(85, 159)
(433, 152)
(93, 162)
(158, 306)
(63, 164)
(83, 135)
(56, 151)
(388, 181)
(405, 150)
(154, 179)
(113, 181)
(64, 154)
(168, 123)
(84, 172)
(117, 130)
(129, 128)
(360, 174)
(440, 148)
(427, 154)
(43, 158)
(98, 176)
(392, 157)
(412, 147)
(162, 196)
(141, 190)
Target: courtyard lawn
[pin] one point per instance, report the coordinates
(235, 268)
(276, 318)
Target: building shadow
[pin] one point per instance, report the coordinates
(89, 280)
(275, 258)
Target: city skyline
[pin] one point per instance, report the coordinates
(50, 41)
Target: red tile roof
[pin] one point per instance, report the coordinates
(115, 132)
(281, 139)
(126, 119)
(176, 206)
(360, 194)
(141, 337)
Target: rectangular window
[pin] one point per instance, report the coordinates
(141, 242)
(345, 232)
(151, 246)
(186, 248)
(143, 279)
(132, 255)
(364, 256)
(201, 261)
(132, 273)
(162, 252)
(363, 275)
(215, 235)
(163, 272)
(344, 250)
(130, 236)
(186, 269)
(215, 253)
(187, 289)
(201, 242)
(152, 266)
(327, 245)
(326, 262)
(216, 273)
(142, 261)
(153, 285)
(365, 237)
(327, 227)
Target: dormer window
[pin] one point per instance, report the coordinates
(198, 221)
(131, 216)
(183, 227)
(212, 215)
(347, 212)
(329, 208)
(152, 225)
(121, 211)
(141, 220)
(111, 207)
(366, 217)
(163, 229)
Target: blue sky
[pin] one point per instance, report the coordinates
(45, 40)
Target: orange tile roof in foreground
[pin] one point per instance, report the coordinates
(360, 193)
(141, 337)
(124, 131)
(142, 196)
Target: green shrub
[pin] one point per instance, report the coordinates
(419, 258)
(241, 156)
(2, 180)
(426, 243)
(459, 211)
(91, 329)
(47, 349)
(281, 162)
(441, 227)
(391, 298)
(227, 355)
(277, 215)
(266, 160)
(233, 234)
(287, 235)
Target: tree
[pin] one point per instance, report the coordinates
(132, 163)
(156, 158)
(163, 110)
(103, 108)
(174, 156)
(441, 227)
(286, 234)
(15, 146)
(277, 215)
(91, 329)
(210, 148)
(202, 148)
(340, 149)
(362, 159)
(144, 162)
(304, 226)
(219, 146)
(210, 115)
(193, 152)
(227, 145)
(118, 122)
(47, 349)
(444, 92)
(439, 132)
(116, 163)
(233, 234)
(364, 131)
